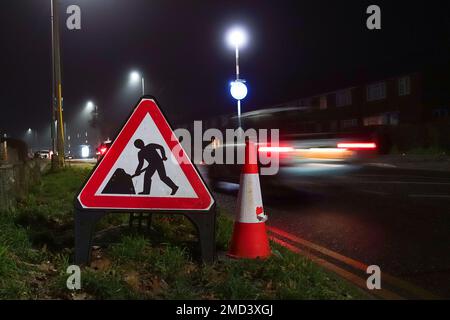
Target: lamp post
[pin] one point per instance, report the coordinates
(236, 38)
(32, 138)
(92, 108)
(135, 77)
(57, 108)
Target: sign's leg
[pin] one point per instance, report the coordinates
(206, 229)
(134, 216)
(85, 222)
(140, 218)
(130, 221)
(149, 221)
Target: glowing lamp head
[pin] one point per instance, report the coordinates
(236, 37)
(238, 90)
(90, 106)
(135, 77)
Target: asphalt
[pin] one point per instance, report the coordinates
(398, 219)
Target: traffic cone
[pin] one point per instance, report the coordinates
(249, 238)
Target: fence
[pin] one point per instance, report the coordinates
(16, 180)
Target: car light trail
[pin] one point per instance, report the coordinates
(276, 149)
(357, 145)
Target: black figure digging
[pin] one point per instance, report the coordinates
(155, 163)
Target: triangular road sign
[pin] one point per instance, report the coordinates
(146, 169)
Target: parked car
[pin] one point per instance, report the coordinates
(102, 149)
(43, 154)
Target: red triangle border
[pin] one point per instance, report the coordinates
(89, 200)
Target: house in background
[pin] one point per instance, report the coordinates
(409, 110)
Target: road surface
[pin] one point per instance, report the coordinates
(395, 218)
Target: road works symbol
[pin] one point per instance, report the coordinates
(146, 169)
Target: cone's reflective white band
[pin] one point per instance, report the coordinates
(250, 205)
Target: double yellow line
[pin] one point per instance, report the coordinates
(305, 248)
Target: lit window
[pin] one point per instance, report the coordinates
(344, 98)
(376, 91)
(404, 86)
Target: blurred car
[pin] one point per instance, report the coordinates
(43, 154)
(301, 156)
(102, 149)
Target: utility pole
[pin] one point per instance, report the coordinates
(52, 125)
(58, 158)
(96, 125)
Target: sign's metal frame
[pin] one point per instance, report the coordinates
(86, 219)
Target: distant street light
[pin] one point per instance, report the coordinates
(135, 77)
(31, 137)
(92, 108)
(237, 37)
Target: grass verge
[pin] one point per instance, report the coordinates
(36, 246)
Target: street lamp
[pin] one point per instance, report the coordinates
(92, 108)
(31, 137)
(237, 37)
(135, 77)
(89, 106)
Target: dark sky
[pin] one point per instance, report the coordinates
(296, 48)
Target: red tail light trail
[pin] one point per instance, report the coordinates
(357, 145)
